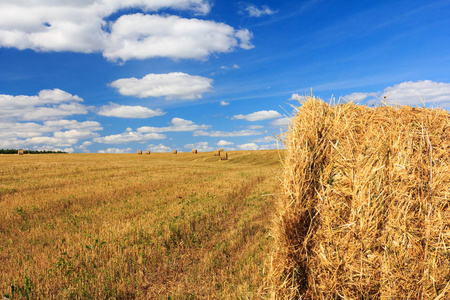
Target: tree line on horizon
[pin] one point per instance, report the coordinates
(15, 151)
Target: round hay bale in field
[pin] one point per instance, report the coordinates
(140, 152)
(147, 152)
(194, 151)
(20, 152)
(223, 156)
(221, 149)
(216, 152)
(364, 209)
(174, 152)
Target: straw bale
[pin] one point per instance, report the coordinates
(216, 153)
(147, 152)
(223, 156)
(194, 151)
(174, 152)
(140, 152)
(20, 152)
(364, 210)
(221, 149)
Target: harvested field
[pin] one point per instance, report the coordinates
(365, 207)
(125, 226)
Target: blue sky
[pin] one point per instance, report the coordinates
(126, 75)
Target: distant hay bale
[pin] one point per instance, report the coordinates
(194, 151)
(221, 149)
(216, 152)
(147, 152)
(20, 152)
(174, 152)
(364, 211)
(223, 156)
(140, 152)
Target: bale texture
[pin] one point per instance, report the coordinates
(216, 153)
(364, 211)
(223, 156)
(174, 152)
(194, 151)
(140, 152)
(147, 152)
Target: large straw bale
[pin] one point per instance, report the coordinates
(364, 211)
(223, 156)
(147, 152)
(174, 152)
(20, 152)
(139, 152)
(216, 152)
(194, 151)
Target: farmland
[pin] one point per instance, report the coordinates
(136, 226)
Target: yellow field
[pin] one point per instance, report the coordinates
(98, 226)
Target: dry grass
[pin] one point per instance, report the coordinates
(123, 226)
(365, 212)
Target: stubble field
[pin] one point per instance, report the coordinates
(99, 226)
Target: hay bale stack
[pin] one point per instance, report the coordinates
(174, 152)
(20, 152)
(147, 152)
(223, 156)
(364, 211)
(139, 152)
(194, 151)
(216, 152)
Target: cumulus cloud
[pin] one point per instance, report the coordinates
(116, 150)
(175, 85)
(297, 97)
(224, 103)
(60, 133)
(124, 111)
(159, 148)
(281, 122)
(129, 137)
(178, 124)
(248, 146)
(232, 67)
(47, 105)
(81, 26)
(253, 11)
(259, 115)
(245, 132)
(222, 143)
(255, 127)
(408, 93)
(200, 146)
(266, 139)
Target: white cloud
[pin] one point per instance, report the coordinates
(178, 124)
(253, 11)
(408, 93)
(61, 133)
(227, 134)
(116, 150)
(159, 148)
(255, 127)
(297, 97)
(281, 122)
(259, 115)
(222, 143)
(266, 139)
(47, 105)
(171, 86)
(245, 36)
(227, 68)
(200, 146)
(224, 103)
(81, 26)
(248, 146)
(124, 111)
(128, 137)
